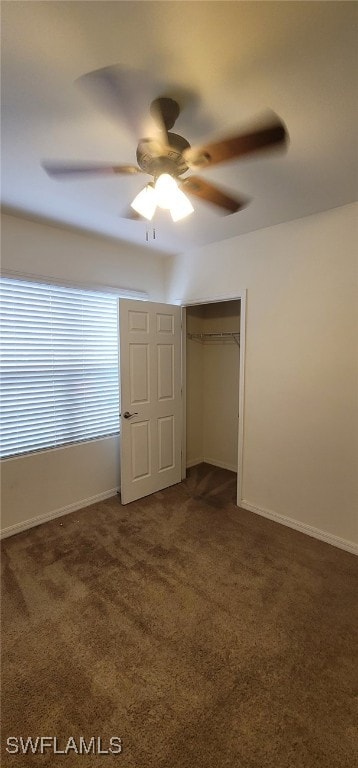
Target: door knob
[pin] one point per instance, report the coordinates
(128, 415)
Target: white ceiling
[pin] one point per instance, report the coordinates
(235, 60)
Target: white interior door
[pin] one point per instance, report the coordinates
(150, 375)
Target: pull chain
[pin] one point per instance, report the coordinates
(147, 233)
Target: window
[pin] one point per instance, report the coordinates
(59, 366)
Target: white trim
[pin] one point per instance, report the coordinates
(240, 445)
(183, 393)
(194, 462)
(122, 293)
(221, 464)
(309, 530)
(33, 521)
(213, 463)
(212, 299)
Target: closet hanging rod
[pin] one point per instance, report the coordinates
(202, 337)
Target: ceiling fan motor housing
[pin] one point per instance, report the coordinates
(156, 158)
(165, 111)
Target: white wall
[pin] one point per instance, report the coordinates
(300, 415)
(28, 247)
(44, 484)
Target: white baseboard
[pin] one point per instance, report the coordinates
(194, 462)
(309, 530)
(214, 463)
(221, 464)
(24, 525)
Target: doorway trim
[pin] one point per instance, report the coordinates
(242, 297)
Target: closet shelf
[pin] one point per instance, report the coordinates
(204, 338)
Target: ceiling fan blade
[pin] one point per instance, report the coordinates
(236, 146)
(126, 95)
(67, 170)
(197, 187)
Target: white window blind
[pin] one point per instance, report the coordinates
(59, 366)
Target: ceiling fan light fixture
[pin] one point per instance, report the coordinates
(166, 190)
(182, 207)
(145, 202)
(169, 196)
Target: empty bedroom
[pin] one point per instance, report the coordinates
(179, 384)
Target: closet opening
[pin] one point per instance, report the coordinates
(213, 356)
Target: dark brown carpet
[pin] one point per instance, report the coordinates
(203, 635)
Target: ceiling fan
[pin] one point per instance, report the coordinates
(168, 156)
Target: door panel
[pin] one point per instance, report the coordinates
(150, 352)
(139, 357)
(165, 323)
(138, 321)
(166, 371)
(166, 446)
(141, 449)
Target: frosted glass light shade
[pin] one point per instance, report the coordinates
(165, 194)
(182, 206)
(166, 190)
(146, 202)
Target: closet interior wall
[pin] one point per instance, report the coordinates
(212, 385)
